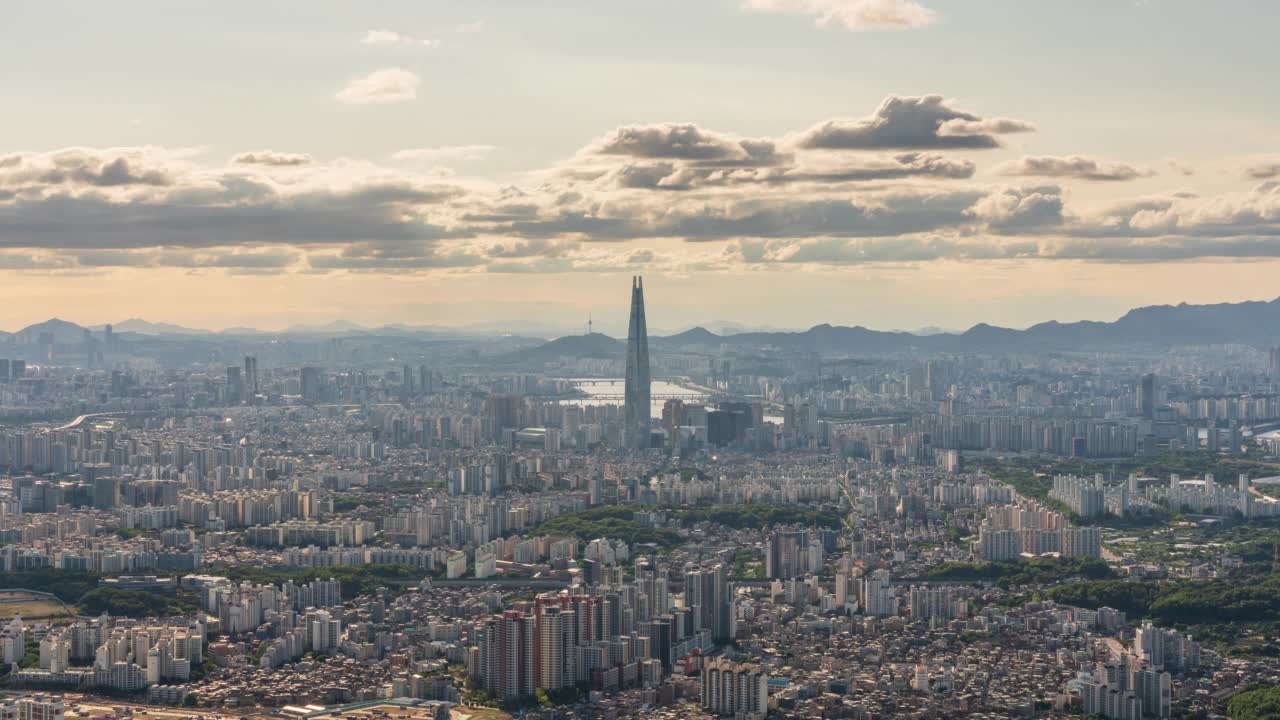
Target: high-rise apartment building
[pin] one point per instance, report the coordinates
(507, 655)
(784, 554)
(1166, 649)
(730, 688)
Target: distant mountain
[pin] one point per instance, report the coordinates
(1153, 327)
(698, 336)
(595, 346)
(146, 327)
(63, 331)
(336, 326)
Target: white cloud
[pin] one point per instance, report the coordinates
(386, 37)
(389, 85)
(854, 15)
(444, 152)
(390, 38)
(474, 26)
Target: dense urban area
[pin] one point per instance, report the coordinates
(346, 523)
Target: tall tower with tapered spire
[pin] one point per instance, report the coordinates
(636, 404)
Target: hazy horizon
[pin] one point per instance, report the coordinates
(551, 327)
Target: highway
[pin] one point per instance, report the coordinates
(80, 420)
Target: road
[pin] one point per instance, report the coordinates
(76, 423)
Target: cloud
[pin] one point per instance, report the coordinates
(911, 123)
(1020, 209)
(1263, 168)
(869, 251)
(272, 259)
(684, 156)
(1180, 168)
(391, 38)
(1254, 213)
(200, 208)
(444, 152)
(671, 176)
(686, 142)
(369, 257)
(474, 26)
(386, 37)
(389, 85)
(272, 158)
(1072, 166)
(854, 15)
(863, 251)
(617, 219)
(77, 169)
(531, 248)
(674, 196)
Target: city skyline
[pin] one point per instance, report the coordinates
(955, 392)
(1249, 318)
(393, 183)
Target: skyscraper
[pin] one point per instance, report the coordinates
(1147, 396)
(235, 385)
(309, 380)
(251, 376)
(636, 398)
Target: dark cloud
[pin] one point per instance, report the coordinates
(272, 158)
(672, 176)
(690, 143)
(210, 217)
(1072, 166)
(911, 123)
(1263, 169)
(77, 167)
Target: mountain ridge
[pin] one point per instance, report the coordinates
(1250, 322)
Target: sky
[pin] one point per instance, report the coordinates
(896, 164)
